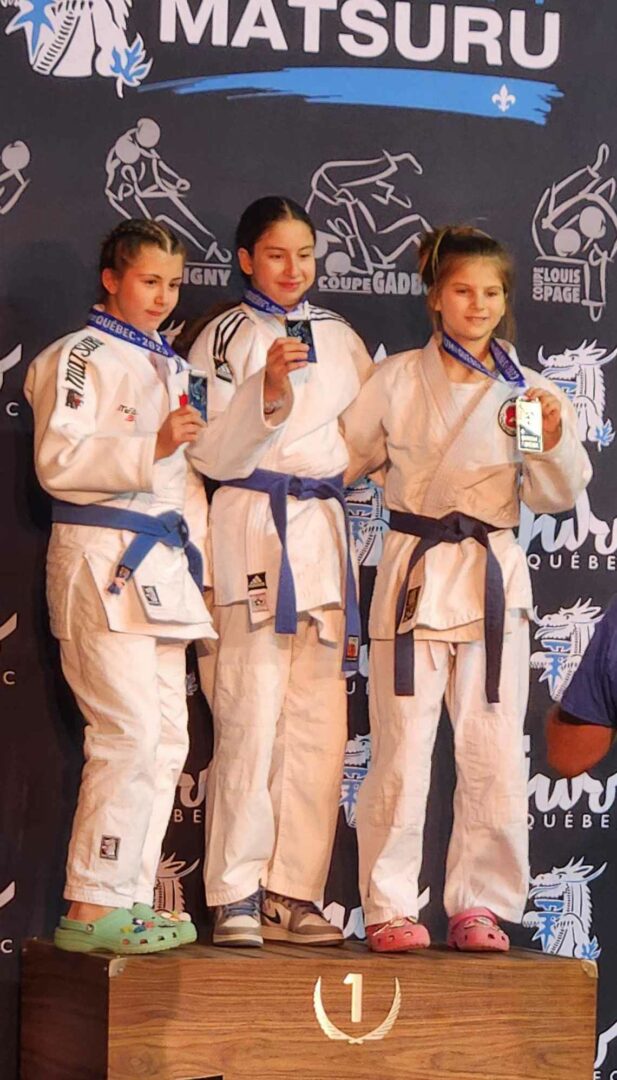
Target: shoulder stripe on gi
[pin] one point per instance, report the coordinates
(318, 314)
(226, 330)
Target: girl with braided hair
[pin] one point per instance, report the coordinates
(125, 572)
(449, 616)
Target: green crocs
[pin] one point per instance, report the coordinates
(180, 921)
(118, 932)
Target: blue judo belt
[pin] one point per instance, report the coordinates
(279, 486)
(451, 529)
(168, 528)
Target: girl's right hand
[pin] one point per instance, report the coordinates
(183, 425)
(286, 354)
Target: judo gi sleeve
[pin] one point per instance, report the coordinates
(74, 455)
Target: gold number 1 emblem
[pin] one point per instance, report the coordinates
(329, 1029)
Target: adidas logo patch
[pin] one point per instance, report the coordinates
(256, 581)
(223, 370)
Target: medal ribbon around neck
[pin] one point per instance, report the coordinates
(117, 328)
(260, 302)
(504, 364)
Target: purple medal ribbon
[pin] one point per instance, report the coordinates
(504, 364)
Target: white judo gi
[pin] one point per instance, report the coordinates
(451, 447)
(279, 700)
(98, 404)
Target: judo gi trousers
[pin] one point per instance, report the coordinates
(280, 731)
(131, 691)
(487, 864)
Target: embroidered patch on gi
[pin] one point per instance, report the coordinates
(73, 399)
(411, 603)
(256, 581)
(151, 595)
(507, 417)
(258, 602)
(223, 370)
(110, 846)
(128, 412)
(352, 650)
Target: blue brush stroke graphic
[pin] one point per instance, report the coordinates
(395, 88)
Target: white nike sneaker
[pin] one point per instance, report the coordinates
(238, 923)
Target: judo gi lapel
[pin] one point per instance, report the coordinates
(458, 439)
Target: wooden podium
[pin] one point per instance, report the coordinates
(286, 1013)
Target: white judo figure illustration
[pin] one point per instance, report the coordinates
(14, 158)
(575, 226)
(9, 361)
(79, 38)
(363, 212)
(139, 183)
(562, 919)
(564, 636)
(578, 372)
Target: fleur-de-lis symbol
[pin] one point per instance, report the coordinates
(504, 100)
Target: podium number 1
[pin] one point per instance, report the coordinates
(355, 981)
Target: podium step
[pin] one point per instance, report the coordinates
(283, 1012)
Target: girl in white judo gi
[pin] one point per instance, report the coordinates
(125, 573)
(284, 595)
(449, 616)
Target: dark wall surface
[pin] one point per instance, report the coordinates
(382, 118)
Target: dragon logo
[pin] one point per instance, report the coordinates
(364, 216)
(368, 519)
(578, 372)
(168, 890)
(562, 919)
(564, 635)
(76, 38)
(357, 759)
(574, 229)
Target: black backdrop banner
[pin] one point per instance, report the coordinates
(381, 118)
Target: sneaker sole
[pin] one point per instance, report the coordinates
(279, 933)
(237, 940)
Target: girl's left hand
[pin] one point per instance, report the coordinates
(551, 415)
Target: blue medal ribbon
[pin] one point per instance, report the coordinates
(260, 302)
(117, 328)
(504, 364)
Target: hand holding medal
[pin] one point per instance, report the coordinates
(548, 425)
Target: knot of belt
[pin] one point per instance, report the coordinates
(279, 486)
(168, 528)
(451, 529)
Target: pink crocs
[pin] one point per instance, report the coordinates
(402, 934)
(477, 930)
